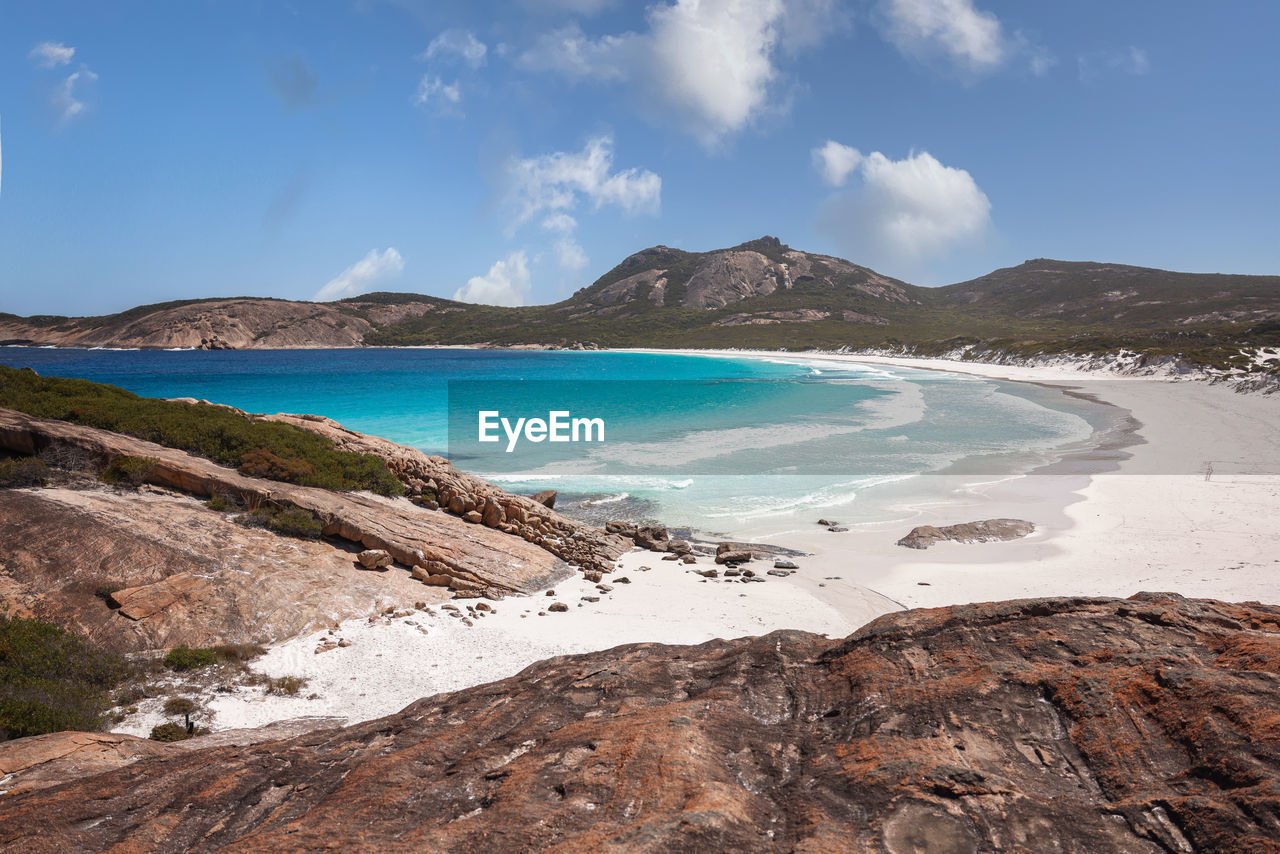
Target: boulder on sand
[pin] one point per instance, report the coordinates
(986, 531)
(734, 556)
(652, 537)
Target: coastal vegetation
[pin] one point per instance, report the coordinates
(51, 680)
(182, 657)
(24, 471)
(258, 448)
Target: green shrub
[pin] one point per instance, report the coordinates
(192, 658)
(179, 706)
(51, 680)
(296, 523)
(130, 695)
(226, 437)
(290, 522)
(286, 685)
(222, 503)
(261, 462)
(24, 471)
(187, 658)
(129, 471)
(241, 653)
(173, 732)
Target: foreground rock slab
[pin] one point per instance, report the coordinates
(1140, 725)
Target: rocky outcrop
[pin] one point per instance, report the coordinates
(178, 572)
(219, 324)
(458, 493)
(989, 530)
(1143, 725)
(474, 556)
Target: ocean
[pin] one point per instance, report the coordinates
(733, 446)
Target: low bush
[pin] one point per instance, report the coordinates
(24, 471)
(179, 706)
(261, 462)
(106, 592)
(130, 695)
(51, 680)
(296, 523)
(289, 522)
(286, 685)
(129, 471)
(222, 504)
(241, 653)
(173, 732)
(193, 658)
(187, 658)
(284, 451)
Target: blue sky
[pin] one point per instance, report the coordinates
(514, 151)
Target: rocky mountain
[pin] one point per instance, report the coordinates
(762, 293)
(1057, 725)
(662, 277)
(1115, 293)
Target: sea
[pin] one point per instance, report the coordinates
(744, 446)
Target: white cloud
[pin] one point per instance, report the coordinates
(506, 283)
(714, 62)
(709, 66)
(556, 183)
(569, 254)
(971, 39)
(1130, 60)
(51, 54)
(808, 22)
(562, 223)
(433, 90)
(552, 185)
(906, 211)
(569, 51)
(66, 99)
(457, 43)
(835, 161)
(361, 276)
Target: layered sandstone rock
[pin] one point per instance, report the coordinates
(531, 519)
(179, 572)
(473, 555)
(1068, 725)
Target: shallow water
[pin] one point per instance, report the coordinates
(737, 446)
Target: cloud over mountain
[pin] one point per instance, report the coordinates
(905, 211)
(361, 276)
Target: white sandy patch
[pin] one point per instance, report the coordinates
(393, 662)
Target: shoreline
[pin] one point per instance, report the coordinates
(1193, 508)
(1098, 534)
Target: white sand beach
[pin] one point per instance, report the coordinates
(1193, 509)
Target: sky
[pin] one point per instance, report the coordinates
(513, 152)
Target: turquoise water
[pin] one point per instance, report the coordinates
(730, 445)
